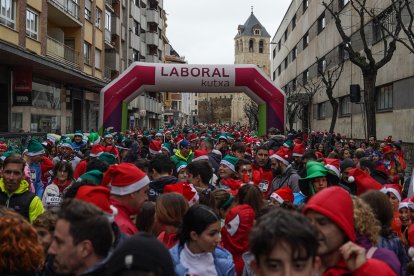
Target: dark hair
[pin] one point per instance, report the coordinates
(208, 143)
(283, 226)
(251, 195)
(97, 164)
(201, 168)
(46, 220)
(161, 164)
(146, 219)
(309, 155)
(238, 146)
(261, 147)
(367, 162)
(142, 164)
(221, 199)
(14, 159)
(381, 206)
(242, 162)
(87, 222)
(198, 218)
(359, 153)
(65, 166)
(72, 190)
(170, 209)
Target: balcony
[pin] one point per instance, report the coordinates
(152, 58)
(64, 13)
(152, 39)
(108, 36)
(135, 41)
(113, 60)
(108, 73)
(153, 16)
(116, 25)
(60, 52)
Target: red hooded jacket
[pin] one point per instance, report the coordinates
(336, 204)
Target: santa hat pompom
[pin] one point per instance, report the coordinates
(411, 252)
(351, 179)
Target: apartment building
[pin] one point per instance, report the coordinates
(51, 64)
(56, 56)
(308, 31)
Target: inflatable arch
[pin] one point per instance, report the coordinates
(157, 77)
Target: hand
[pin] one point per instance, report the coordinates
(354, 255)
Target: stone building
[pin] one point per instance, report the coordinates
(308, 31)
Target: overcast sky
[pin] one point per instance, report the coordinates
(203, 31)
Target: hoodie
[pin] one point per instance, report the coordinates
(235, 233)
(326, 203)
(156, 187)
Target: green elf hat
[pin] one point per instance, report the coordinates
(34, 148)
(180, 165)
(93, 175)
(146, 133)
(315, 169)
(7, 154)
(109, 132)
(108, 158)
(288, 144)
(94, 138)
(167, 147)
(66, 144)
(78, 133)
(230, 161)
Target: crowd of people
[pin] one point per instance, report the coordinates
(206, 200)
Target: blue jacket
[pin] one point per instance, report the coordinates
(223, 261)
(36, 175)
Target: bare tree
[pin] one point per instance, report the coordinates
(405, 18)
(251, 109)
(310, 88)
(329, 78)
(365, 58)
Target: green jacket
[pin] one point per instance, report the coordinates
(177, 157)
(35, 207)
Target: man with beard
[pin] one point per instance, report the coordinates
(160, 170)
(285, 175)
(339, 253)
(262, 172)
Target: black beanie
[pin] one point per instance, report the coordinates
(346, 163)
(141, 252)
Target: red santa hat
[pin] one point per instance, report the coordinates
(283, 155)
(98, 196)
(200, 154)
(404, 204)
(124, 179)
(97, 150)
(298, 150)
(185, 189)
(155, 147)
(387, 149)
(192, 137)
(179, 138)
(363, 181)
(319, 154)
(3, 146)
(333, 165)
(395, 189)
(248, 152)
(283, 194)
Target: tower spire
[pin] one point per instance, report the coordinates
(252, 9)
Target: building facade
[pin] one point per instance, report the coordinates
(308, 32)
(251, 46)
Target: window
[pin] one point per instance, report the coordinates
(321, 110)
(274, 75)
(135, 55)
(343, 53)
(87, 53)
(279, 45)
(286, 62)
(321, 66)
(195, 102)
(98, 18)
(136, 28)
(321, 22)
(274, 53)
(294, 53)
(108, 20)
(97, 58)
(305, 77)
(285, 35)
(256, 31)
(305, 5)
(251, 44)
(8, 13)
(344, 106)
(384, 99)
(32, 19)
(294, 85)
(261, 46)
(88, 9)
(294, 22)
(305, 40)
(383, 21)
(342, 3)
(279, 70)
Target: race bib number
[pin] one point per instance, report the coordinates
(53, 200)
(263, 185)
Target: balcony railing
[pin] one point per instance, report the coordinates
(108, 73)
(69, 6)
(59, 51)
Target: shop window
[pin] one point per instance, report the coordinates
(46, 96)
(16, 122)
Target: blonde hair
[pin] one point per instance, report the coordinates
(365, 222)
